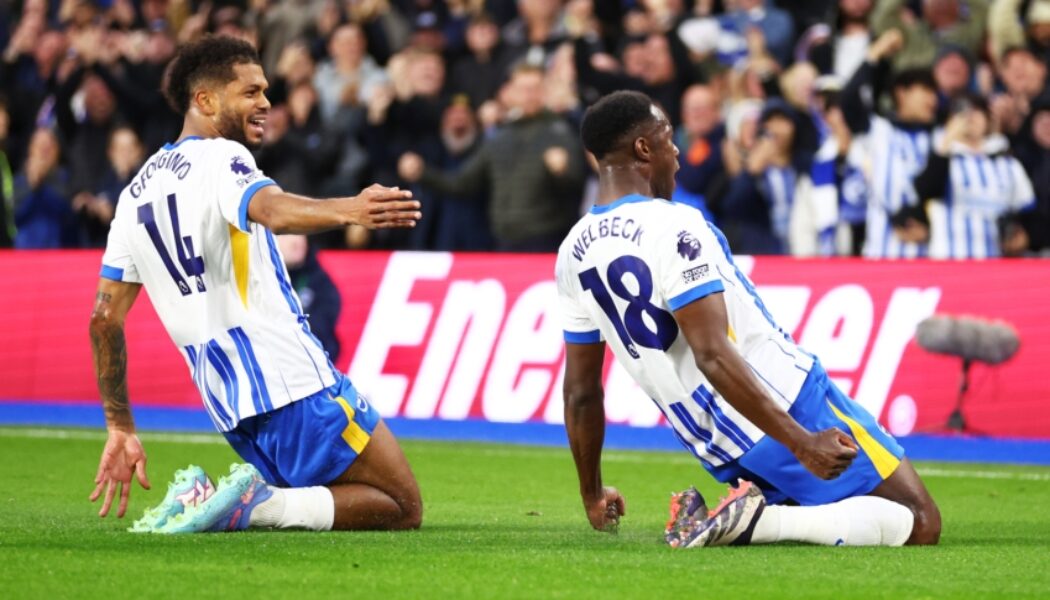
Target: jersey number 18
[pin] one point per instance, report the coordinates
(632, 328)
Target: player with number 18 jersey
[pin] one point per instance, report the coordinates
(622, 272)
(656, 283)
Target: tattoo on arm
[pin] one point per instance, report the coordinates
(111, 363)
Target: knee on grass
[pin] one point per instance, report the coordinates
(927, 528)
(411, 505)
(411, 516)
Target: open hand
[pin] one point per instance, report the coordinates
(604, 512)
(828, 453)
(122, 455)
(380, 207)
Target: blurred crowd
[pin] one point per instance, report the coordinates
(897, 128)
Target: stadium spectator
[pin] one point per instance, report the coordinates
(537, 31)
(43, 214)
(1034, 153)
(561, 86)
(318, 294)
(132, 67)
(699, 140)
(838, 46)
(839, 194)
(30, 61)
(86, 136)
(298, 149)
(406, 117)
(349, 76)
(898, 148)
(1007, 29)
(961, 23)
(953, 71)
(481, 72)
(657, 64)
(385, 26)
(456, 222)
(532, 168)
(975, 188)
(761, 197)
(742, 17)
(282, 24)
(1023, 77)
(124, 156)
(294, 66)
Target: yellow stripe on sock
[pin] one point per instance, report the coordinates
(884, 460)
(356, 437)
(239, 252)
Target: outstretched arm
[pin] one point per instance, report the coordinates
(376, 207)
(705, 325)
(585, 425)
(123, 452)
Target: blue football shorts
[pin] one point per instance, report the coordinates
(820, 405)
(310, 441)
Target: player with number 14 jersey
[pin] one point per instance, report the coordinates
(232, 323)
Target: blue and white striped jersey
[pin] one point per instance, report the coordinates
(980, 188)
(216, 280)
(622, 271)
(898, 154)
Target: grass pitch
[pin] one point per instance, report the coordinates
(500, 522)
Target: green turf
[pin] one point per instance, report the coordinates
(500, 522)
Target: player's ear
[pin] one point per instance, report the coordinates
(642, 149)
(205, 101)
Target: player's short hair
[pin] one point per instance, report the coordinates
(211, 59)
(614, 118)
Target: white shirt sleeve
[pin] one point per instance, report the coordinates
(117, 262)
(685, 256)
(577, 325)
(236, 179)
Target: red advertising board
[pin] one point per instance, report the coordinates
(458, 336)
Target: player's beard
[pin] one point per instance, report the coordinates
(232, 127)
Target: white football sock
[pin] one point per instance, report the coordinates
(857, 521)
(296, 508)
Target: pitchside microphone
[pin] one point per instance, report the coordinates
(972, 339)
(969, 338)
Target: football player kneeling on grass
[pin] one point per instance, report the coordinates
(195, 226)
(657, 283)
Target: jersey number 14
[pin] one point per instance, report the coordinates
(191, 264)
(632, 328)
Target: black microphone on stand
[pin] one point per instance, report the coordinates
(972, 339)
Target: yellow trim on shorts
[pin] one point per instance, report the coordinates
(355, 437)
(731, 334)
(239, 252)
(884, 460)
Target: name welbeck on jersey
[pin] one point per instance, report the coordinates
(169, 161)
(607, 227)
